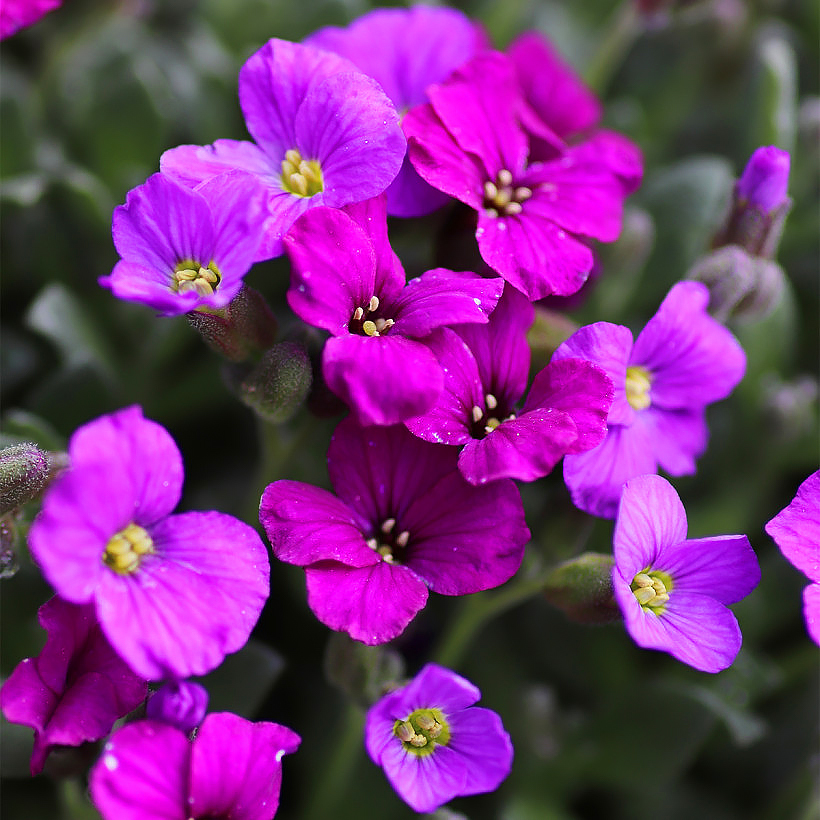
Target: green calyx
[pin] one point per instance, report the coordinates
(422, 731)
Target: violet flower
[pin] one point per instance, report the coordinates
(470, 142)
(487, 368)
(173, 593)
(185, 249)
(765, 179)
(325, 134)
(682, 361)
(434, 744)
(406, 50)
(152, 771)
(402, 519)
(179, 703)
(796, 531)
(347, 280)
(673, 591)
(17, 14)
(75, 689)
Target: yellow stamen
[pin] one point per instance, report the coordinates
(125, 550)
(300, 176)
(638, 382)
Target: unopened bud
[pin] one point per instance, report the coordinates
(25, 470)
(582, 588)
(279, 383)
(182, 704)
(765, 179)
(242, 329)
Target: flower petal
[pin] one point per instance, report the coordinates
(811, 611)
(485, 750)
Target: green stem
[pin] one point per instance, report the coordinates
(622, 29)
(339, 769)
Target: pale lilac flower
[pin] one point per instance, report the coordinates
(682, 361)
(324, 134)
(533, 217)
(75, 689)
(486, 372)
(231, 769)
(17, 14)
(673, 591)
(405, 51)
(185, 249)
(179, 703)
(796, 530)
(403, 519)
(347, 280)
(173, 593)
(434, 744)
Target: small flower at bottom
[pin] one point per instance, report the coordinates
(232, 768)
(673, 591)
(433, 744)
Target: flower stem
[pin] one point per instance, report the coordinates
(621, 31)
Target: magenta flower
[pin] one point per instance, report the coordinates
(796, 530)
(173, 593)
(487, 368)
(402, 519)
(347, 280)
(152, 771)
(180, 703)
(765, 179)
(17, 14)
(75, 689)
(682, 361)
(406, 50)
(470, 142)
(325, 134)
(433, 744)
(184, 249)
(673, 591)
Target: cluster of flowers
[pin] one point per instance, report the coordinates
(434, 371)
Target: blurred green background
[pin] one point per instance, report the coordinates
(89, 99)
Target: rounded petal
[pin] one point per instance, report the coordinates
(133, 282)
(424, 783)
(435, 686)
(811, 611)
(372, 604)
(485, 750)
(194, 164)
(678, 437)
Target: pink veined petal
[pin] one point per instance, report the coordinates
(618, 154)
(424, 783)
(439, 686)
(372, 604)
(384, 379)
(306, 524)
(236, 768)
(478, 737)
(533, 254)
(194, 164)
(136, 283)
(408, 195)
(651, 519)
(142, 774)
(678, 437)
(811, 611)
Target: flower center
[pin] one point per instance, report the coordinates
(124, 551)
(190, 275)
(422, 731)
(485, 420)
(302, 177)
(366, 322)
(652, 588)
(501, 198)
(390, 543)
(638, 382)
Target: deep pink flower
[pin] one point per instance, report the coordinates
(796, 530)
(673, 591)
(434, 744)
(173, 593)
(403, 519)
(76, 688)
(17, 14)
(231, 769)
(179, 703)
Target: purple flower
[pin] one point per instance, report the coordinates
(796, 530)
(765, 179)
(402, 519)
(347, 280)
(180, 703)
(470, 142)
(487, 367)
(173, 593)
(232, 768)
(433, 744)
(673, 591)
(406, 50)
(17, 14)
(183, 249)
(682, 361)
(325, 134)
(75, 689)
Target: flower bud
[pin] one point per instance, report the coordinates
(242, 329)
(279, 383)
(764, 180)
(25, 470)
(181, 703)
(582, 588)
